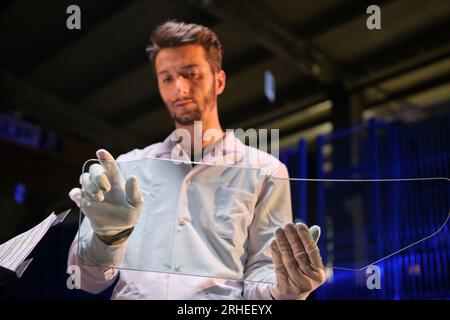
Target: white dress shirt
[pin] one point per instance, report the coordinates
(204, 231)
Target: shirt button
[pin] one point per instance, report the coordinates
(177, 268)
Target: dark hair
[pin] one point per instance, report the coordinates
(175, 34)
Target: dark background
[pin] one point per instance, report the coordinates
(66, 93)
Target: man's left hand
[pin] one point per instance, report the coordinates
(298, 265)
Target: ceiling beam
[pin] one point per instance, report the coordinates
(260, 26)
(417, 51)
(51, 110)
(404, 93)
(338, 15)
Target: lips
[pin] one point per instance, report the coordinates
(183, 103)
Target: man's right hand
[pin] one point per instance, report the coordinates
(111, 204)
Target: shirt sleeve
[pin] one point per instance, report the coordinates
(92, 257)
(273, 209)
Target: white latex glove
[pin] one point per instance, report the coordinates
(298, 265)
(111, 204)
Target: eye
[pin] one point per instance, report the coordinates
(193, 75)
(166, 80)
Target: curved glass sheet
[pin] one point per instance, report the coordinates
(218, 221)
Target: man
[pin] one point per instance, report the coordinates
(247, 234)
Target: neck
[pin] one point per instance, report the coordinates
(209, 124)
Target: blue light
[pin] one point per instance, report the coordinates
(19, 193)
(269, 86)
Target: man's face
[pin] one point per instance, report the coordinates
(186, 83)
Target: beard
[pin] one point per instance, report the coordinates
(188, 117)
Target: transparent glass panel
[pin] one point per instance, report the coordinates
(219, 221)
(364, 222)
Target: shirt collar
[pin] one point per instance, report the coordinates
(225, 151)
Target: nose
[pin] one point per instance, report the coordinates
(182, 86)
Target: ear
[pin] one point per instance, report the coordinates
(220, 81)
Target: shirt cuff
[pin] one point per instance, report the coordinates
(96, 253)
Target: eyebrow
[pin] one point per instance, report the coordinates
(189, 66)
